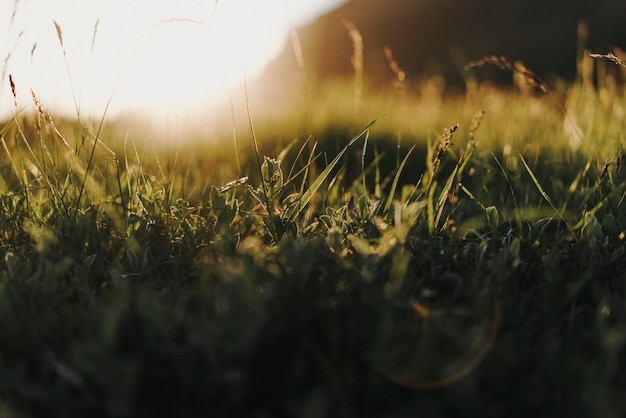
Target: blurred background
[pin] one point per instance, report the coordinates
(440, 36)
(177, 61)
(142, 56)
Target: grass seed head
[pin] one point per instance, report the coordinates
(611, 57)
(357, 59)
(517, 68)
(59, 32)
(476, 121)
(400, 74)
(12, 83)
(445, 144)
(37, 102)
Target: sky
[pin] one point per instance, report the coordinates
(138, 54)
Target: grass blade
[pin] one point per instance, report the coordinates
(444, 195)
(518, 215)
(396, 178)
(540, 188)
(308, 195)
(618, 191)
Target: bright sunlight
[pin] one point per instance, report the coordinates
(141, 55)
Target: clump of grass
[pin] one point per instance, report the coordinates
(126, 277)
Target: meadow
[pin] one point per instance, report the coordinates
(380, 251)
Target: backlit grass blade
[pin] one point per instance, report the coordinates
(617, 191)
(444, 195)
(3, 133)
(363, 163)
(518, 215)
(540, 188)
(396, 178)
(308, 195)
(472, 197)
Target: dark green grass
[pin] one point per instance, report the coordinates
(484, 275)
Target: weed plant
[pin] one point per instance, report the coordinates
(462, 255)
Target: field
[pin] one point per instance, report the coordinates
(387, 251)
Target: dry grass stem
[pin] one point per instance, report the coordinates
(48, 118)
(177, 20)
(400, 81)
(517, 68)
(13, 89)
(16, 6)
(445, 144)
(611, 57)
(356, 59)
(297, 51)
(476, 121)
(7, 58)
(59, 34)
(37, 102)
(93, 37)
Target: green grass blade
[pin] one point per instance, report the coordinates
(518, 215)
(363, 163)
(431, 206)
(295, 161)
(473, 198)
(308, 195)
(540, 188)
(617, 191)
(396, 178)
(444, 195)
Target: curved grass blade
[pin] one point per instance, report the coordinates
(444, 195)
(618, 191)
(308, 195)
(540, 188)
(518, 215)
(396, 178)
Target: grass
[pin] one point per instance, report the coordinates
(376, 252)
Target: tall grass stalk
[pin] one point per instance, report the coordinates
(357, 62)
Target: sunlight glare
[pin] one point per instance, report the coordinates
(139, 55)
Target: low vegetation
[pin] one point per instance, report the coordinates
(371, 253)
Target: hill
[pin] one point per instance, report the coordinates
(439, 36)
